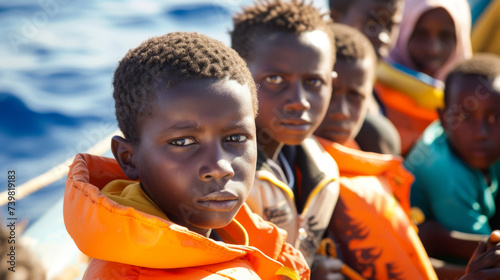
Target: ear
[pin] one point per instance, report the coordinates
(123, 151)
(335, 15)
(335, 76)
(442, 118)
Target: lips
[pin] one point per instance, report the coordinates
(219, 201)
(296, 124)
(479, 151)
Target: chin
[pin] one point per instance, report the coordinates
(481, 165)
(217, 221)
(293, 140)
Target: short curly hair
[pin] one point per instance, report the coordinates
(351, 44)
(164, 61)
(486, 65)
(343, 6)
(267, 17)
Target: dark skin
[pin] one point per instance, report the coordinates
(349, 104)
(485, 263)
(472, 122)
(377, 20)
(294, 77)
(347, 109)
(432, 41)
(197, 166)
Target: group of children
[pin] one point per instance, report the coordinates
(247, 163)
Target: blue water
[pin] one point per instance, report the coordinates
(56, 64)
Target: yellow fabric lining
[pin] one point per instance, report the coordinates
(129, 193)
(316, 190)
(265, 175)
(288, 272)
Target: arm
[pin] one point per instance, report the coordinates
(485, 263)
(440, 242)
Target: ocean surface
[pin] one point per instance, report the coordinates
(57, 59)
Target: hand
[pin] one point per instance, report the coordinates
(485, 262)
(326, 268)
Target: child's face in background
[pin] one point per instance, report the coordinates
(197, 152)
(294, 78)
(433, 41)
(472, 119)
(377, 20)
(349, 104)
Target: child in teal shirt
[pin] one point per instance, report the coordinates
(456, 162)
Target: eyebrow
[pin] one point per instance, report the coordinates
(240, 124)
(183, 125)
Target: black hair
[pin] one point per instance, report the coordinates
(267, 17)
(165, 61)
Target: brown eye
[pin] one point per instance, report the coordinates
(314, 82)
(183, 142)
(274, 79)
(494, 119)
(463, 116)
(236, 138)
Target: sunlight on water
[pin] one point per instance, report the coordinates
(57, 61)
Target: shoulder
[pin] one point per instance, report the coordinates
(431, 153)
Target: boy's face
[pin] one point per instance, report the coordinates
(349, 103)
(472, 119)
(433, 41)
(378, 20)
(197, 152)
(294, 77)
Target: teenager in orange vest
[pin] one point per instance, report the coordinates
(186, 105)
(288, 46)
(371, 224)
(379, 22)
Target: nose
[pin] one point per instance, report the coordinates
(433, 47)
(215, 165)
(482, 130)
(297, 99)
(339, 106)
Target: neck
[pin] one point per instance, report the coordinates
(487, 176)
(271, 148)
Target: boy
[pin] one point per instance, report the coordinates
(370, 224)
(456, 163)
(379, 21)
(183, 216)
(289, 49)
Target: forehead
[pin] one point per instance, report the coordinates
(437, 18)
(469, 88)
(293, 52)
(374, 7)
(209, 98)
(358, 68)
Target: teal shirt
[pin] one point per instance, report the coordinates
(446, 188)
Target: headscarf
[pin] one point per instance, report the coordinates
(413, 9)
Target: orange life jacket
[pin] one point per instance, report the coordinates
(371, 222)
(130, 244)
(409, 118)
